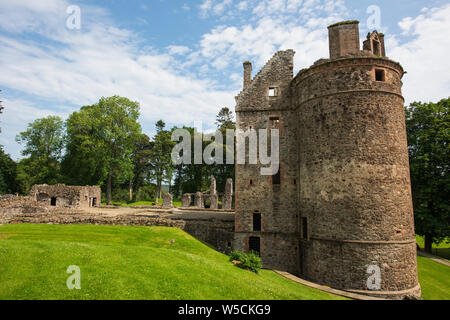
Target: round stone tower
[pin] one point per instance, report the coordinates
(356, 214)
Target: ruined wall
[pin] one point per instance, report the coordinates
(60, 195)
(354, 175)
(277, 204)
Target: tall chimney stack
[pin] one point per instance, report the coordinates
(247, 73)
(343, 38)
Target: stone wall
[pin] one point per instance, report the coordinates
(60, 195)
(344, 201)
(255, 193)
(354, 180)
(213, 228)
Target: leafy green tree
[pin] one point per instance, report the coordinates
(161, 160)
(428, 129)
(224, 121)
(8, 174)
(101, 141)
(43, 144)
(142, 165)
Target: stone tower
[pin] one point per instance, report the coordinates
(343, 207)
(266, 206)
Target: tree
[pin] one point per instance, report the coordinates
(8, 176)
(428, 130)
(43, 144)
(141, 163)
(101, 141)
(161, 156)
(225, 119)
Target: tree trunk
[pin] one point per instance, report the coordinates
(131, 191)
(108, 189)
(428, 243)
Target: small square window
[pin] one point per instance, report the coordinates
(272, 92)
(380, 75)
(275, 122)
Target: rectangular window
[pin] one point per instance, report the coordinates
(276, 178)
(257, 222)
(380, 75)
(275, 122)
(272, 92)
(53, 201)
(305, 228)
(254, 245)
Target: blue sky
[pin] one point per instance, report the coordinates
(182, 60)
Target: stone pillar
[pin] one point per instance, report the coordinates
(186, 200)
(167, 201)
(198, 201)
(228, 196)
(213, 196)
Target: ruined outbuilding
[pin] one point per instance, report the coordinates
(212, 196)
(60, 195)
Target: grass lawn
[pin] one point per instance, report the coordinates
(441, 250)
(128, 263)
(434, 278)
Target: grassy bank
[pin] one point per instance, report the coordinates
(128, 263)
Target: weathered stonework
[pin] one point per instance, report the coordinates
(213, 196)
(186, 200)
(227, 201)
(60, 195)
(344, 198)
(167, 200)
(198, 200)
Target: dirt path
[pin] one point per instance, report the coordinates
(434, 258)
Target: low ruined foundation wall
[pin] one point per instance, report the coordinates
(219, 234)
(215, 232)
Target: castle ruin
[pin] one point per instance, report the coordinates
(341, 200)
(60, 195)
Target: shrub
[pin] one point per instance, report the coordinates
(250, 261)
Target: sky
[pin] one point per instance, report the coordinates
(182, 60)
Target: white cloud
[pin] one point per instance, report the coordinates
(278, 26)
(424, 54)
(15, 118)
(78, 67)
(175, 50)
(205, 7)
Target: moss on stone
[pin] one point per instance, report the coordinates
(343, 22)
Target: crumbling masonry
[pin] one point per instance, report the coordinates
(212, 195)
(60, 195)
(341, 201)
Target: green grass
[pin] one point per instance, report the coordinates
(119, 262)
(441, 250)
(434, 278)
